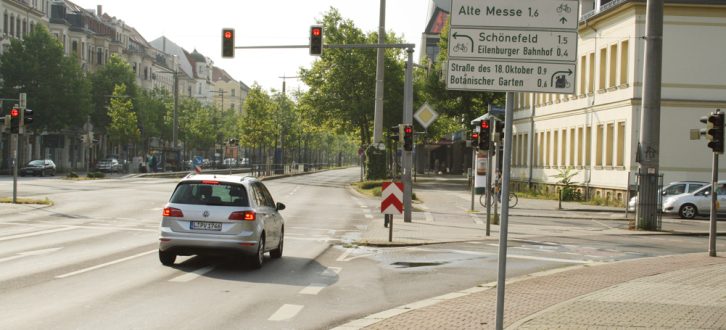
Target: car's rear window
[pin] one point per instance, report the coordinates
(201, 193)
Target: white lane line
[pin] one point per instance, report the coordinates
(429, 217)
(568, 261)
(344, 255)
(106, 264)
(193, 275)
(368, 216)
(42, 232)
(30, 253)
(313, 288)
(286, 312)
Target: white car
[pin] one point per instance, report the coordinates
(221, 214)
(672, 189)
(689, 205)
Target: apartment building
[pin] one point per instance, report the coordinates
(595, 132)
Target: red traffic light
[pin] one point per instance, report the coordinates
(14, 112)
(316, 31)
(408, 129)
(228, 34)
(475, 136)
(484, 124)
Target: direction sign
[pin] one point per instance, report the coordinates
(484, 75)
(392, 194)
(513, 44)
(537, 14)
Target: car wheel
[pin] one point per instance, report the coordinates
(52, 173)
(277, 252)
(167, 258)
(688, 211)
(259, 257)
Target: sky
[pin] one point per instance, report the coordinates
(198, 25)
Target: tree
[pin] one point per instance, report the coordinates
(115, 72)
(55, 86)
(123, 128)
(342, 81)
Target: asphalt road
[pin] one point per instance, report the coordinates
(90, 260)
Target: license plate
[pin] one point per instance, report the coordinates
(202, 225)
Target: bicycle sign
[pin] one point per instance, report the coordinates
(560, 14)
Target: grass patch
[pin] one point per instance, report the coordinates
(45, 201)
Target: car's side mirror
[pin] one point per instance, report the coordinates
(280, 206)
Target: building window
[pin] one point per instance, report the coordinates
(579, 145)
(610, 138)
(5, 22)
(563, 148)
(603, 68)
(591, 74)
(12, 25)
(621, 144)
(624, 62)
(540, 149)
(588, 144)
(572, 147)
(548, 148)
(233, 92)
(613, 69)
(583, 78)
(599, 144)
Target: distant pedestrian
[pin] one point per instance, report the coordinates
(152, 163)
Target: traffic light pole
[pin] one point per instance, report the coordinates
(14, 146)
(714, 207)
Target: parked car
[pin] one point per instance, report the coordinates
(689, 205)
(110, 165)
(39, 167)
(229, 162)
(672, 189)
(221, 214)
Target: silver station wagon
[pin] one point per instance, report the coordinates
(221, 214)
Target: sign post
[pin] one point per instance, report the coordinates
(392, 203)
(512, 46)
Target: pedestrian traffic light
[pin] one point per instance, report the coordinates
(714, 131)
(27, 117)
(484, 135)
(227, 43)
(393, 133)
(407, 137)
(498, 131)
(316, 40)
(14, 120)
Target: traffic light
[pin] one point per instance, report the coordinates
(316, 40)
(475, 139)
(714, 131)
(407, 137)
(227, 43)
(485, 134)
(27, 117)
(498, 131)
(14, 120)
(393, 134)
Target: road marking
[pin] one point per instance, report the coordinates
(569, 261)
(429, 216)
(344, 257)
(313, 288)
(331, 271)
(368, 216)
(30, 253)
(42, 232)
(106, 264)
(193, 275)
(293, 191)
(286, 312)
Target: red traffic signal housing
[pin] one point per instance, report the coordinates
(316, 40)
(475, 136)
(228, 43)
(14, 120)
(408, 137)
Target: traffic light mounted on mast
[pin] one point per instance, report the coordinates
(485, 134)
(316, 40)
(14, 120)
(714, 130)
(227, 43)
(408, 137)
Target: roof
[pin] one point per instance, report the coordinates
(219, 74)
(219, 177)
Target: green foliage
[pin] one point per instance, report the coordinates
(72, 175)
(568, 191)
(342, 82)
(155, 114)
(123, 127)
(96, 175)
(115, 72)
(56, 88)
(461, 105)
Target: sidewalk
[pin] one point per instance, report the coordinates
(681, 292)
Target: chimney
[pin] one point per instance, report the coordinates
(99, 10)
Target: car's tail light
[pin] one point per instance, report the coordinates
(243, 215)
(172, 212)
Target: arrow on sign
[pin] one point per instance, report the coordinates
(563, 20)
(457, 35)
(552, 81)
